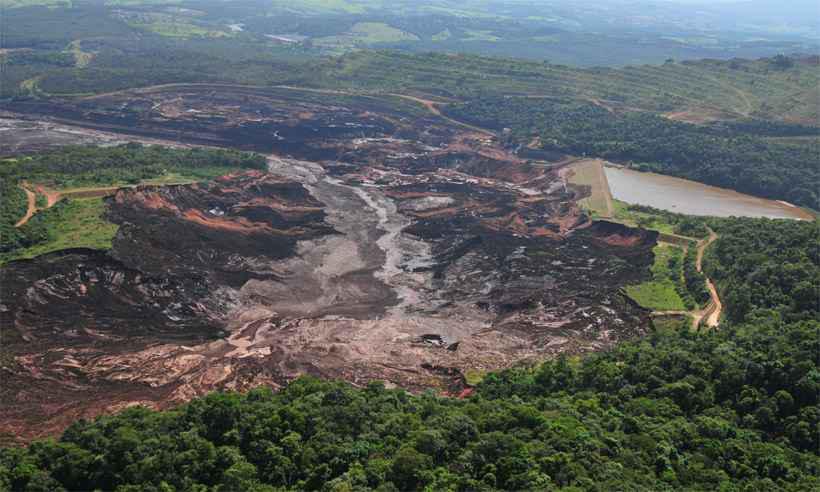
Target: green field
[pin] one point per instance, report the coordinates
(70, 224)
(660, 293)
(379, 32)
(178, 29)
(626, 214)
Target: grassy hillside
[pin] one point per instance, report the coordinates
(143, 45)
(68, 224)
(741, 88)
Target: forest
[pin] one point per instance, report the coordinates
(767, 266)
(730, 156)
(730, 409)
(130, 163)
(12, 208)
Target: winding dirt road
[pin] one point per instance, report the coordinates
(31, 198)
(713, 309)
(431, 106)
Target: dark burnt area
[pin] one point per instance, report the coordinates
(228, 230)
(73, 296)
(287, 122)
(176, 247)
(521, 264)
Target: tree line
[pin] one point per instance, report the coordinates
(81, 166)
(727, 155)
(730, 409)
(88, 165)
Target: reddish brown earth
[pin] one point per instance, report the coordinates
(392, 244)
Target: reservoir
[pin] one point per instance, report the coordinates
(692, 198)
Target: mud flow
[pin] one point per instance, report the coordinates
(384, 242)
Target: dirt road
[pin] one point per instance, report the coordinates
(431, 106)
(31, 209)
(713, 310)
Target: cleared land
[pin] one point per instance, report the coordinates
(75, 223)
(591, 173)
(660, 293)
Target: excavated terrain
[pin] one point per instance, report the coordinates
(384, 243)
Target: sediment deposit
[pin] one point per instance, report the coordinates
(381, 244)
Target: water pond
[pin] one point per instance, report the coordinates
(692, 198)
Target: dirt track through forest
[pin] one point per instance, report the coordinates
(715, 307)
(431, 106)
(31, 198)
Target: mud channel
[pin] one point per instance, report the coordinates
(384, 243)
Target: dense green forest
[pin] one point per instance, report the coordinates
(12, 209)
(721, 155)
(767, 265)
(131, 163)
(730, 409)
(694, 280)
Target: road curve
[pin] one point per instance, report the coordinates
(712, 310)
(31, 198)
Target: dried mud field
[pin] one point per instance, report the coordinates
(384, 242)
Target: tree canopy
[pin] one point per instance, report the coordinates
(732, 409)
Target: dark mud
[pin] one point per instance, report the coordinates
(391, 244)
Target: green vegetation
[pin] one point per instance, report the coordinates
(82, 166)
(75, 223)
(79, 223)
(716, 155)
(762, 266)
(13, 206)
(176, 28)
(661, 293)
(660, 220)
(730, 409)
(734, 409)
(379, 32)
(676, 281)
(694, 281)
(363, 34)
(473, 376)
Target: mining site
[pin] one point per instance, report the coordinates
(384, 242)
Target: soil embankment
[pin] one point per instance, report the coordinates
(590, 173)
